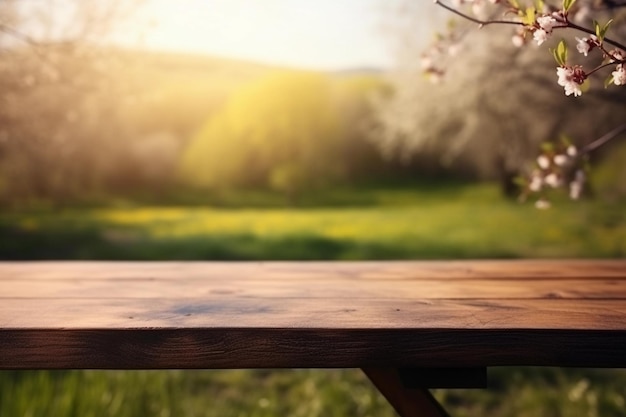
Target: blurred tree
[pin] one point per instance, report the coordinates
(56, 89)
(280, 132)
(495, 106)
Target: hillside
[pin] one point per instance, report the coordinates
(179, 91)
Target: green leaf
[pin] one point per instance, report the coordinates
(566, 141)
(520, 181)
(560, 53)
(556, 57)
(528, 17)
(605, 28)
(598, 30)
(567, 4)
(547, 147)
(608, 81)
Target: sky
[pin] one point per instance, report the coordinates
(312, 34)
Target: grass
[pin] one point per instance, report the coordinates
(513, 392)
(455, 222)
(459, 221)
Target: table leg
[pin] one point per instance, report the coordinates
(416, 402)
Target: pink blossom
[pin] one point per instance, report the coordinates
(478, 8)
(518, 40)
(540, 36)
(543, 28)
(426, 62)
(572, 151)
(619, 75)
(617, 56)
(553, 180)
(543, 162)
(576, 186)
(575, 190)
(546, 23)
(542, 204)
(560, 160)
(583, 46)
(535, 183)
(454, 49)
(571, 78)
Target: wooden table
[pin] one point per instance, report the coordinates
(408, 325)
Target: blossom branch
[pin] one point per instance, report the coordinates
(591, 32)
(561, 164)
(567, 24)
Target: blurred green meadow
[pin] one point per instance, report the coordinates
(444, 221)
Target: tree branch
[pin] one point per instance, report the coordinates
(592, 32)
(18, 35)
(602, 140)
(477, 21)
(568, 24)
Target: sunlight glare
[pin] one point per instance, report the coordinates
(326, 34)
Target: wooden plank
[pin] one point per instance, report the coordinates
(407, 402)
(404, 270)
(344, 314)
(305, 313)
(198, 288)
(226, 348)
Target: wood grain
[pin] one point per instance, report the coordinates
(134, 315)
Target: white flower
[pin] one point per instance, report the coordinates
(576, 186)
(518, 40)
(478, 8)
(564, 75)
(560, 160)
(426, 62)
(543, 162)
(570, 78)
(546, 23)
(583, 46)
(540, 36)
(573, 88)
(572, 151)
(619, 75)
(575, 190)
(553, 180)
(542, 204)
(617, 56)
(454, 49)
(535, 183)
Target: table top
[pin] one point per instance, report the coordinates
(153, 315)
